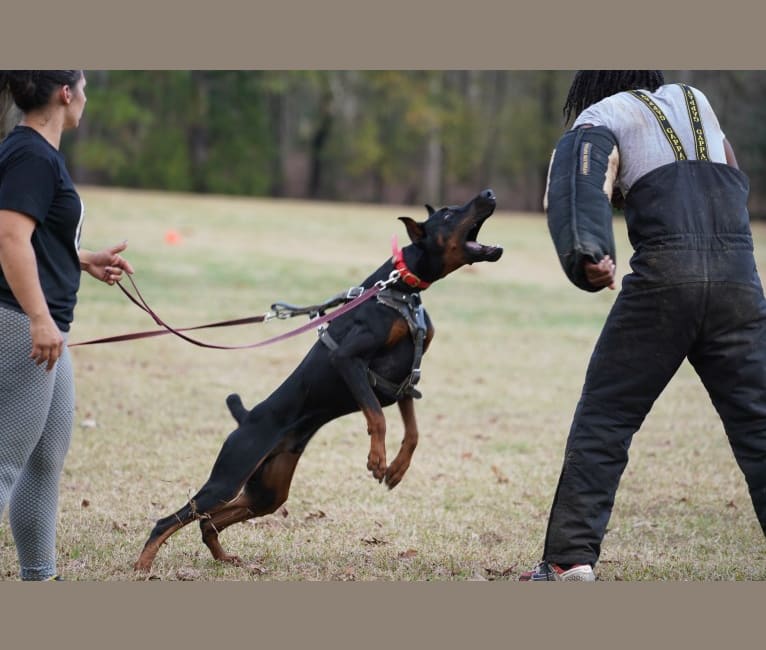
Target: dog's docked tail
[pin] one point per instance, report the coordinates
(237, 409)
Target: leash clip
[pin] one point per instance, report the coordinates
(280, 310)
(392, 277)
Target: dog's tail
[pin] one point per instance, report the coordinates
(237, 409)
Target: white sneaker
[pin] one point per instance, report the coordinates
(550, 572)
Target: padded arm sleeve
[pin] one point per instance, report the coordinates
(577, 200)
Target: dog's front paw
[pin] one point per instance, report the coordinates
(395, 471)
(376, 463)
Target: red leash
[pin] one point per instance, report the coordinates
(167, 329)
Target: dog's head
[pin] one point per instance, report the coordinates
(447, 239)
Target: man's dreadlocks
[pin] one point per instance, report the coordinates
(591, 86)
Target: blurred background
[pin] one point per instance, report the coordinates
(377, 136)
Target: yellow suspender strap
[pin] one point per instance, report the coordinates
(700, 144)
(670, 134)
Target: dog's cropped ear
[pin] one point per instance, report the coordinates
(415, 230)
(430, 209)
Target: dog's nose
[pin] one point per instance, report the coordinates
(487, 195)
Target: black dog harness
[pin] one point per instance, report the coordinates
(407, 304)
(411, 309)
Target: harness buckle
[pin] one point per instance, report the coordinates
(354, 292)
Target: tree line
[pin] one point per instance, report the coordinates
(421, 136)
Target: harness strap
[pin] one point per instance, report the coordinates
(391, 388)
(411, 309)
(286, 310)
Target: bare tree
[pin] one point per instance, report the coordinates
(10, 115)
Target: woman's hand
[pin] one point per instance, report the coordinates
(47, 341)
(106, 265)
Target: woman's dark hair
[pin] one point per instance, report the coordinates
(32, 89)
(591, 86)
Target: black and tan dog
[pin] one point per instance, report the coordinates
(365, 359)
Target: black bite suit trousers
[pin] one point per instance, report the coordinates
(694, 293)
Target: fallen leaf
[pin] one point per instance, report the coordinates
(409, 553)
(501, 478)
(501, 573)
(490, 538)
(85, 503)
(187, 575)
(347, 575)
(316, 515)
(256, 569)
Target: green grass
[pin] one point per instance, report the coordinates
(500, 384)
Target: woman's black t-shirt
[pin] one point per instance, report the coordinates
(34, 181)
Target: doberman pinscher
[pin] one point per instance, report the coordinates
(364, 360)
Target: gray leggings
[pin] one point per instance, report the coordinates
(36, 416)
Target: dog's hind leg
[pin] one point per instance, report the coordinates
(211, 526)
(399, 465)
(263, 493)
(230, 472)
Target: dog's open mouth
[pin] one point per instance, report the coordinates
(480, 252)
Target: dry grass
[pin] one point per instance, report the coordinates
(500, 384)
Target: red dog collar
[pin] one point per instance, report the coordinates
(405, 275)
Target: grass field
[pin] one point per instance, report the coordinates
(500, 384)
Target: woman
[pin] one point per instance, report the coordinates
(41, 217)
(693, 293)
